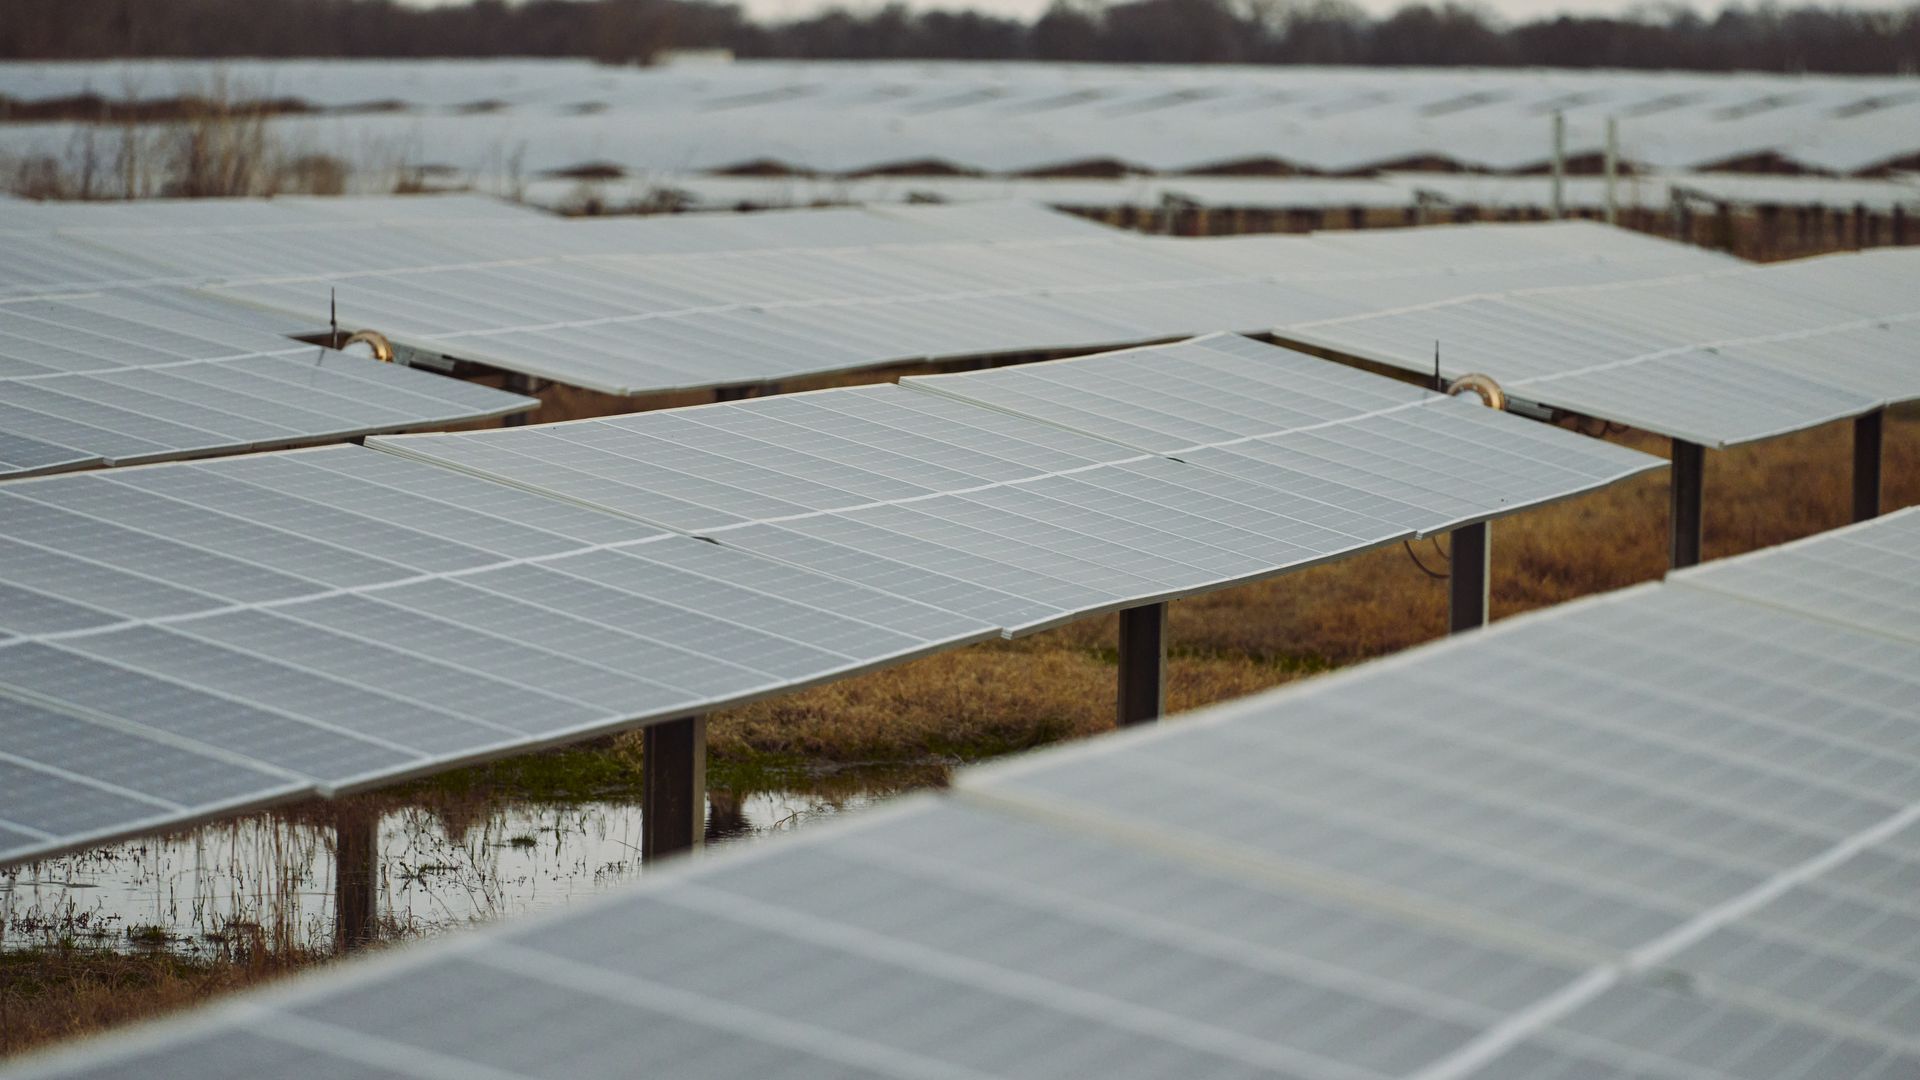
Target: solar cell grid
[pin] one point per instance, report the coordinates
(1279, 417)
(1169, 398)
(994, 510)
(344, 617)
(934, 488)
(1716, 359)
(1866, 576)
(146, 375)
(1563, 847)
(689, 302)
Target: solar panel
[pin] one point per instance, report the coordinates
(1715, 359)
(1660, 833)
(1867, 576)
(56, 248)
(1279, 417)
(40, 263)
(635, 306)
(1171, 398)
(997, 514)
(631, 307)
(336, 618)
(1026, 522)
(125, 377)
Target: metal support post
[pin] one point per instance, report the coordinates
(1143, 664)
(673, 796)
(1470, 567)
(1868, 429)
(1613, 169)
(519, 384)
(356, 877)
(1688, 484)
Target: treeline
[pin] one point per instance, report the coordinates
(1765, 38)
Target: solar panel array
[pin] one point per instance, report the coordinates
(646, 305)
(131, 376)
(189, 639)
(633, 306)
(57, 247)
(1717, 358)
(326, 620)
(842, 116)
(1664, 833)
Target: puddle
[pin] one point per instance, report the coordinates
(267, 879)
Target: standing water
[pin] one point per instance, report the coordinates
(445, 862)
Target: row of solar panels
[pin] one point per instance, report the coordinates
(1716, 359)
(768, 297)
(65, 247)
(141, 331)
(633, 306)
(956, 117)
(184, 640)
(639, 323)
(1413, 193)
(1668, 833)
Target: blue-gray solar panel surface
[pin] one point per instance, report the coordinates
(319, 621)
(130, 376)
(343, 618)
(1660, 834)
(1291, 420)
(631, 307)
(1714, 358)
(1866, 575)
(1028, 522)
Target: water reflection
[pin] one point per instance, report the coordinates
(266, 881)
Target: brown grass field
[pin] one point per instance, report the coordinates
(1005, 696)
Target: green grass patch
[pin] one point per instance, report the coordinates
(599, 770)
(755, 770)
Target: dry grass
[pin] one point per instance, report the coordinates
(61, 992)
(213, 144)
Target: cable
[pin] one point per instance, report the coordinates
(1408, 544)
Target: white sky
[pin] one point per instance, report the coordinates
(1027, 9)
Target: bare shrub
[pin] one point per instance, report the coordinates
(213, 142)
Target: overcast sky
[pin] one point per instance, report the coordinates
(1027, 9)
